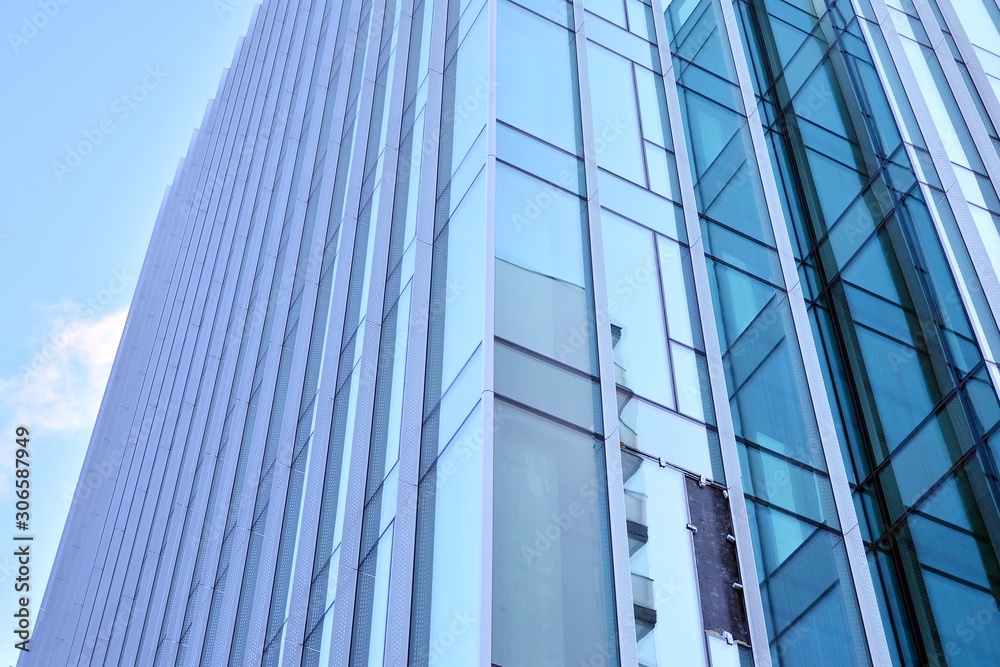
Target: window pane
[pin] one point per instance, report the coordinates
(544, 301)
(539, 227)
(553, 597)
(546, 387)
(448, 553)
(465, 93)
(616, 123)
(638, 335)
(457, 289)
(664, 434)
(541, 159)
(678, 291)
(536, 77)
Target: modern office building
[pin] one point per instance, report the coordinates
(530, 333)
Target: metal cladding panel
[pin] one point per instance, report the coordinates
(718, 567)
(223, 431)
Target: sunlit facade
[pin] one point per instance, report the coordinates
(524, 333)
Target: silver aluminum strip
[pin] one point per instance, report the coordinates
(343, 612)
(303, 54)
(261, 607)
(224, 348)
(621, 565)
(243, 384)
(489, 426)
(340, 653)
(972, 60)
(296, 632)
(985, 270)
(397, 649)
(713, 352)
(857, 563)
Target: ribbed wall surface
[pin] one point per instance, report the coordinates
(461, 316)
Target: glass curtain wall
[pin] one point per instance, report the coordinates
(810, 606)
(911, 397)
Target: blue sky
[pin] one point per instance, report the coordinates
(100, 102)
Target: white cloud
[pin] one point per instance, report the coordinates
(59, 391)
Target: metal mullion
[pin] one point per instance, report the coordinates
(713, 353)
(257, 640)
(296, 632)
(985, 270)
(619, 549)
(971, 238)
(976, 70)
(302, 583)
(288, 199)
(957, 202)
(239, 389)
(401, 584)
(345, 592)
(207, 423)
(281, 198)
(350, 556)
(262, 593)
(870, 616)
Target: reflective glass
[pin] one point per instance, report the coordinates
(641, 205)
(447, 416)
(807, 592)
(691, 377)
(667, 435)
(664, 577)
(678, 292)
(457, 290)
(612, 10)
(532, 381)
(616, 120)
(542, 160)
(552, 589)
(653, 108)
(638, 335)
(448, 557)
(544, 301)
(539, 227)
(543, 101)
(465, 96)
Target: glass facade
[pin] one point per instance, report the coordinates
(521, 333)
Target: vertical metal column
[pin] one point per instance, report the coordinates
(622, 569)
(713, 352)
